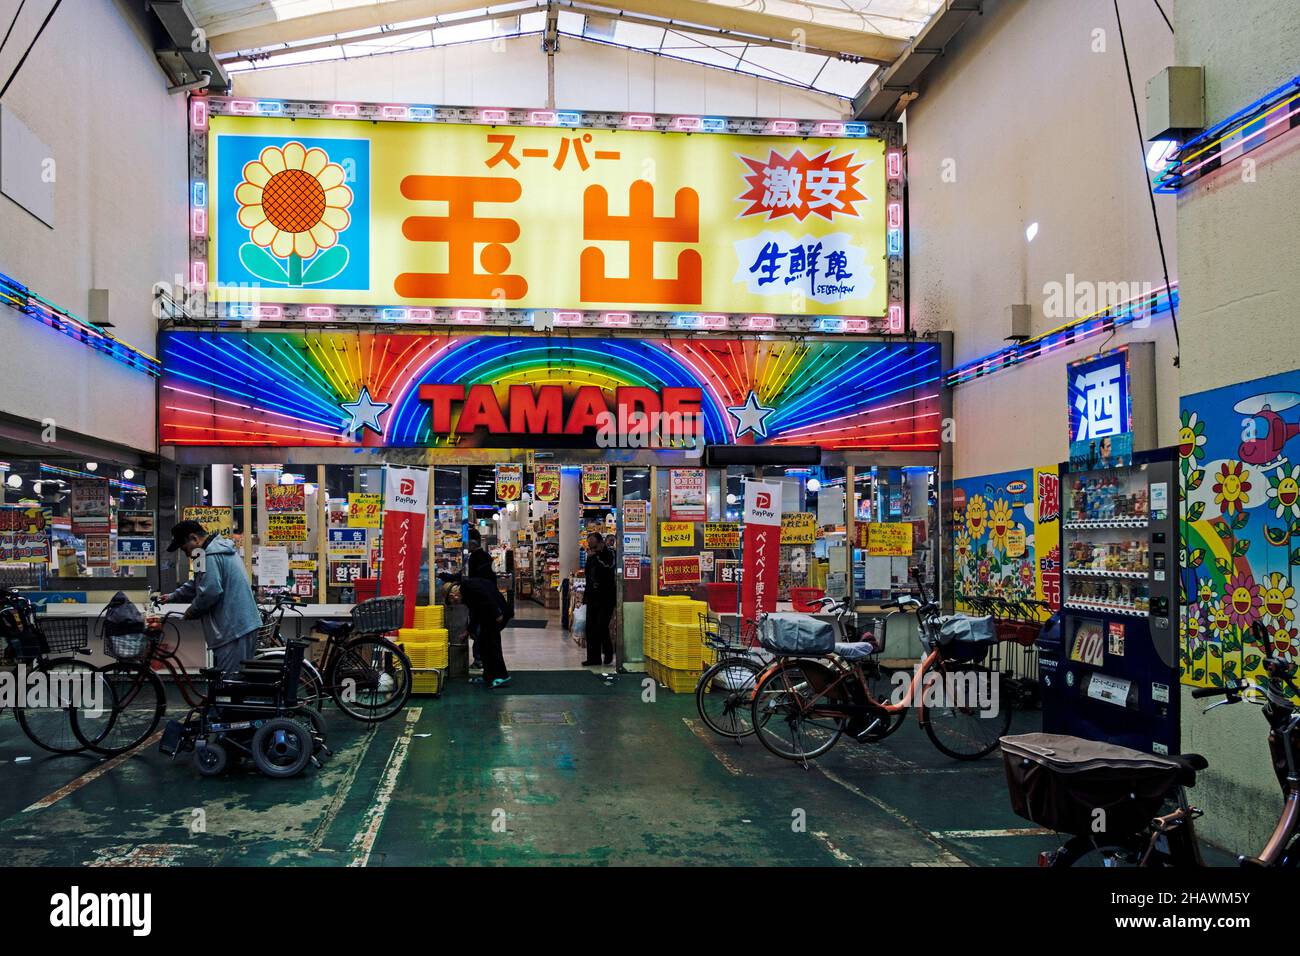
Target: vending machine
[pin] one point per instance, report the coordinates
(1110, 670)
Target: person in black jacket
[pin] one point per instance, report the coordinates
(478, 564)
(600, 596)
(488, 613)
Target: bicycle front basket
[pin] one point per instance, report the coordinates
(64, 634)
(379, 615)
(1077, 786)
(134, 646)
(796, 634)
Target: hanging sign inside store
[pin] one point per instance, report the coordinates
(90, 507)
(24, 536)
(282, 499)
(347, 212)
(762, 548)
(97, 551)
(726, 570)
(722, 534)
(346, 543)
(365, 510)
(496, 391)
(893, 539)
(633, 542)
(677, 571)
(301, 562)
(706, 562)
(215, 520)
(510, 482)
(676, 534)
(346, 572)
(291, 526)
(631, 569)
(686, 494)
(635, 515)
(546, 483)
(595, 484)
(406, 500)
(338, 511)
(135, 524)
(304, 584)
(798, 527)
(142, 552)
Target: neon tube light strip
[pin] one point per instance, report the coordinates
(1078, 330)
(22, 299)
(1250, 127)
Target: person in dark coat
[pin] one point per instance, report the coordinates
(601, 597)
(489, 613)
(478, 564)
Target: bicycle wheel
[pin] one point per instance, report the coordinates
(968, 717)
(311, 685)
(1082, 851)
(69, 685)
(724, 696)
(369, 678)
(139, 704)
(789, 714)
(880, 681)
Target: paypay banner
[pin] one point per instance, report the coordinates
(355, 213)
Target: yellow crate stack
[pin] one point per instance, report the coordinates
(426, 646)
(674, 650)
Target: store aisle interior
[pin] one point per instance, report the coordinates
(536, 642)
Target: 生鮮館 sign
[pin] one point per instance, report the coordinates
(347, 212)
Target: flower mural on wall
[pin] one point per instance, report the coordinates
(294, 203)
(986, 511)
(1239, 532)
(999, 524)
(976, 514)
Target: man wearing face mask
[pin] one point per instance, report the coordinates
(219, 595)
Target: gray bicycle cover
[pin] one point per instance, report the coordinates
(796, 634)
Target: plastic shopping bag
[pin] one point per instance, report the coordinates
(580, 621)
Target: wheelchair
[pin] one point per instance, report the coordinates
(254, 713)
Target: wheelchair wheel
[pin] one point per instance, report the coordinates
(211, 759)
(282, 747)
(307, 715)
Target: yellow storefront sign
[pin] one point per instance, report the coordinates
(676, 534)
(364, 510)
(798, 527)
(217, 519)
(417, 214)
(291, 526)
(889, 540)
(722, 534)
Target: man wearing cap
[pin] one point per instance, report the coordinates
(219, 595)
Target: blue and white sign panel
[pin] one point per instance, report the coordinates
(1098, 389)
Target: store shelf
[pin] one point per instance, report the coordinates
(1098, 525)
(1100, 573)
(1125, 610)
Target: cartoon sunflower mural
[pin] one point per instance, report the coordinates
(294, 203)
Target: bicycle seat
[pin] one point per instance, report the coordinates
(334, 628)
(1188, 764)
(855, 652)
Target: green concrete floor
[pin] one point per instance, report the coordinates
(565, 769)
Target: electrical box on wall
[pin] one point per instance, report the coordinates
(1019, 322)
(1175, 102)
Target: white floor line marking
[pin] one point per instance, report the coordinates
(980, 834)
(709, 742)
(90, 776)
(835, 851)
(364, 842)
(946, 856)
(342, 792)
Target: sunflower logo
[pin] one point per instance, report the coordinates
(294, 203)
(1279, 599)
(1232, 490)
(1244, 600)
(976, 513)
(1284, 490)
(963, 546)
(999, 525)
(1191, 437)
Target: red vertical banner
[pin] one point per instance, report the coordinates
(761, 548)
(406, 501)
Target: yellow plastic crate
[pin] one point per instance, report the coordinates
(429, 616)
(425, 656)
(426, 681)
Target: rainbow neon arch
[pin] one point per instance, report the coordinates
(296, 389)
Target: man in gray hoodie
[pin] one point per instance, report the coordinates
(219, 594)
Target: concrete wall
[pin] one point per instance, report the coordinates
(1028, 119)
(589, 76)
(1236, 246)
(93, 92)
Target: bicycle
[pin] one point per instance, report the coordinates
(729, 684)
(1169, 839)
(364, 673)
(71, 682)
(803, 706)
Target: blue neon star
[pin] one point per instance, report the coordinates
(751, 416)
(364, 412)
